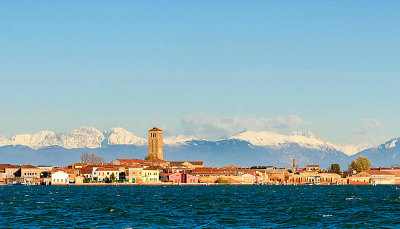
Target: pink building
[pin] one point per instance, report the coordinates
(183, 178)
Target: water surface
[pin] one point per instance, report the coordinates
(199, 206)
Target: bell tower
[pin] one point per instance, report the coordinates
(156, 143)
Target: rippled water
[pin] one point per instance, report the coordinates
(199, 206)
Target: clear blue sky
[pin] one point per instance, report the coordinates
(137, 64)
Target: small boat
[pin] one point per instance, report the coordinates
(20, 184)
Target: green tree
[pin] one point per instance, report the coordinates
(360, 164)
(148, 157)
(221, 181)
(335, 168)
(86, 180)
(112, 177)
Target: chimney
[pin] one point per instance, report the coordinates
(294, 163)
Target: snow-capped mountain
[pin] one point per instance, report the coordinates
(395, 142)
(179, 140)
(303, 139)
(4, 141)
(244, 149)
(89, 137)
(386, 154)
(84, 137)
(120, 136)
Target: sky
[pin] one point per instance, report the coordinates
(202, 68)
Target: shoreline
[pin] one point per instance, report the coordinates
(199, 184)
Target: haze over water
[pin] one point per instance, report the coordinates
(199, 206)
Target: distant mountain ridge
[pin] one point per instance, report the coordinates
(78, 138)
(92, 138)
(244, 149)
(304, 139)
(387, 154)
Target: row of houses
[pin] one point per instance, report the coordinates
(155, 171)
(130, 171)
(28, 174)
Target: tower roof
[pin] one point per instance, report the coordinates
(155, 129)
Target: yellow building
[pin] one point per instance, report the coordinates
(150, 176)
(156, 143)
(79, 179)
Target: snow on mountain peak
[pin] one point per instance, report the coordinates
(92, 138)
(266, 138)
(4, 141)
(82, 137)
(304, 139)
(392, 143)
(120, 136)
(306, 134)
(178, 140)
(79, 138)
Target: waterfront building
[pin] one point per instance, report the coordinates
(381, 177)
(175, 178)
(226, 174)
(182, 178)
(189, 179)
(150, 175)
(86, 172)
(104, 174)
(95, 174)
(79, 179)
(59, 177)
(156, 143)
(329, 178)
(72, 173)
(10, 170)
(134, 175)
(362, 178)
(277, 176)
(2, 175)
(393, 170)
(30, 174)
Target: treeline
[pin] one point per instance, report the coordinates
(92, 158)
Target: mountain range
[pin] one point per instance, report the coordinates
(244, 149)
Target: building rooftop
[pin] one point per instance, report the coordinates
(29, 167)
(150, 169)
(86, 170)
(108, 169)
(378, 172)
(130, 161)
(4, 165)
(155, 129)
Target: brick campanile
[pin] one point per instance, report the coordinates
(156, 143)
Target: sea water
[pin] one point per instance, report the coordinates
(199, 206)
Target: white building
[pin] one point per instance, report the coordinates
(60, 177)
